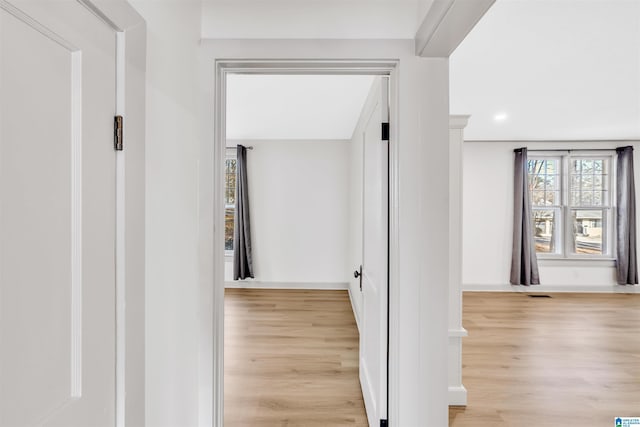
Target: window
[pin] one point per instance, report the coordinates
(229, 199)
(571, 202)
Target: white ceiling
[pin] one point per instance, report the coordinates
(553, 69)
(294, 106)
(548, 69)
(312, 19)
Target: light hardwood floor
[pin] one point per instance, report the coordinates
(291, 359)
(572, 359)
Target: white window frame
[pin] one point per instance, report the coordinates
(564, 224)
(230, 154)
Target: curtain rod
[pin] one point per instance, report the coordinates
(233, 148)
(569, 150)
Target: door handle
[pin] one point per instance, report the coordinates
(358, 273)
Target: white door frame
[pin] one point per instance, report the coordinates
(130, 31)
(130, 214)
(249, 66)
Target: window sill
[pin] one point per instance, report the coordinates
(576, 262)
(228, 255)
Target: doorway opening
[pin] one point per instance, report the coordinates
(302, 214)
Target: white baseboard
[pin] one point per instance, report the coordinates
(458, 333)
(457, 396)
(256, 284)
(353, 308)
(613, 289)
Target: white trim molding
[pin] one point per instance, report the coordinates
(457, 396)
(460, 332)
(575, 288)
(28, 20)
(456, 331)
(458, 121)
(222, 69)
(417, 307)
(76, 225)
(446, 24)
(353, 308)
(257, 284)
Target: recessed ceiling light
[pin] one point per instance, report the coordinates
(500, 117)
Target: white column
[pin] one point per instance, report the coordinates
(418, 301)
(457, 392)
(430, 230)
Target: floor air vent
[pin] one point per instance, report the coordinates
(539, 296)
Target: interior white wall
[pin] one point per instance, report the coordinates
(171, 211)
(333, 19)
(488, 222)
(299, 206)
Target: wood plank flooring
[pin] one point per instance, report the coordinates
(291, 359)
(573, 359)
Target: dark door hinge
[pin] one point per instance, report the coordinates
(118, 144)
(384, 423)
(385, 131)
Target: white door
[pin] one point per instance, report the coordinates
(57, 215)
(355, 229)
(374, 327)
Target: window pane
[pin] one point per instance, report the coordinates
(228, 229)
(575, 182)
(544, 182)
(537, 198)
(230, 166)
(587, 181)
(597, 182)
(586, 198)
(597, 198)
(550, 182)
(229, 196)
(551, 167)
(229, 200)
(545, 230)
(552, 198)
(597, 166)
(575, 166)
(575, 198)
(230, 182)
(588, 231)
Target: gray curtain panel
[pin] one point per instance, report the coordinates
(242, 256)
(524, 263)
(627, 262)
